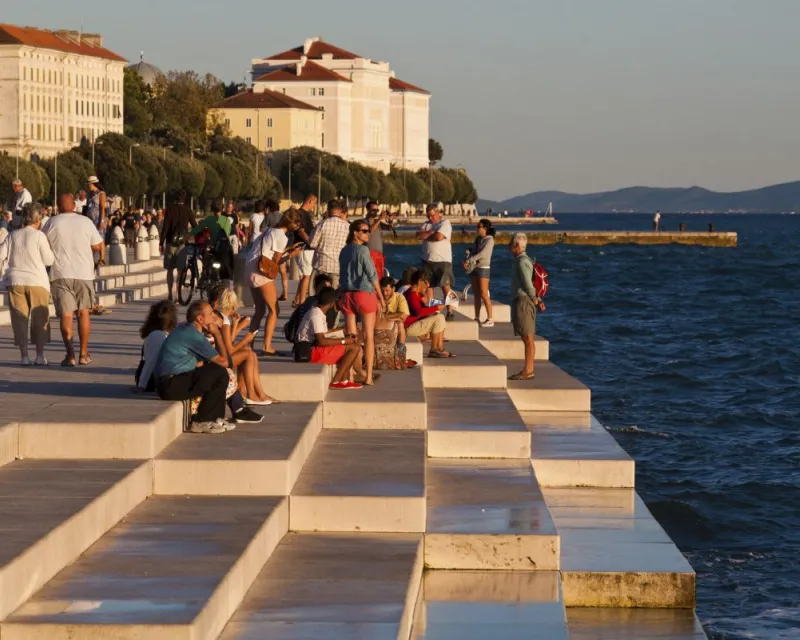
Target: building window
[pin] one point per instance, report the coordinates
(248, 123)
(269, 143)
(323, 140)
(322, 91)
(269, 122)
(284, 91)
(249, 140)
(227, 122)
(312, 91)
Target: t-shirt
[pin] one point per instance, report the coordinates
(375, 242)
(182, 350)
(441, 251)
(72, 237)
(313, 322)
(273, 219)
(397, 304)
(306, 222)
(255, 223)
(265, 244)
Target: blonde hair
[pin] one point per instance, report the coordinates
(229, 301)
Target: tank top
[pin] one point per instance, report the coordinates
(92, 208)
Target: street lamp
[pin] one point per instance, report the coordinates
(164, 194)
(319, 184)
(430, 175)
(290, 176)
(94, 144)
(55, 186)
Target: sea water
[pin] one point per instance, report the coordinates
(693, 358)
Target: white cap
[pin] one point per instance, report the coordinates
(93, 180)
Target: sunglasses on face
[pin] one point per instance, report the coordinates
(363, 231)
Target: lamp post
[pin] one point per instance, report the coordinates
(130, 162)
(94, 144)
(55, 185)
(164, 193)
(290, 176)
(430, 175)
(319, 183)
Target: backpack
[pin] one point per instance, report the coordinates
(292, 326)
(540, 279)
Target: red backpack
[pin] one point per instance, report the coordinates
(540, 282)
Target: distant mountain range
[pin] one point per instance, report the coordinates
(779, 198)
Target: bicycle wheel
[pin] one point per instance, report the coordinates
(187, 281)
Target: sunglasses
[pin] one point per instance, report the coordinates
(363, 231)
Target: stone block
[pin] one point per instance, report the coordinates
(551, 390)
(474, 367)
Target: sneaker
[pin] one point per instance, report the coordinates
(228, 425)
(25, 361)
(206, 427)
(247, 415)
(344, 386)
(354, 385)
(41, 361)
(488, 324)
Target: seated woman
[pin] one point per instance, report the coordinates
(345, 353)
(161, 320)
(422, 319)
(245, 361)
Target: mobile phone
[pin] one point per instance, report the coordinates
(254, 332)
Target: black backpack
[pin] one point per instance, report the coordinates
(292, 326)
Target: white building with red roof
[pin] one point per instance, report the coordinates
(56, 87)
(369, 116)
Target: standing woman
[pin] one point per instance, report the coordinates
(270, 244)
(361, 291)
(478, 266)
(28, 255)
(96, 203)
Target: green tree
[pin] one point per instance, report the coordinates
(443, 187)
(435, 151)
(181, 102)
(64, 182)
(327, 190)
(116, 174)
(137, 118)
(228, 172)
(193, 177)
(212, 185)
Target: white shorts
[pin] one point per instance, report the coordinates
(303, 261)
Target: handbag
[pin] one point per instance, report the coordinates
(267, 267)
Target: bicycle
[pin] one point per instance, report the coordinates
(202, 278)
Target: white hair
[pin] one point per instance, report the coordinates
(16, 182)
(32, 214)
(520, 240)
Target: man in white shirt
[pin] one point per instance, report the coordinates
(656, 221)
(437, 251)
(74, 239)
(256, 219)
(21, 197)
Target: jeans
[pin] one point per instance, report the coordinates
(209, 382)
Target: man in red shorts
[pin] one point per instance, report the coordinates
(345, 353)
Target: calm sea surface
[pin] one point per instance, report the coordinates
(693, 358)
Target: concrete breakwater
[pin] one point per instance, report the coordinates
(702, 239)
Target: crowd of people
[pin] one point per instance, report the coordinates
(347, 311)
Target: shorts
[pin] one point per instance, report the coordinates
(173, 258)
(70, 295)
(327, 355)
(480, 272)
(379, 261)
(358, 302)
(256, 280)
(432, 324)
(303, 261)
(523, 316)
(440, 273)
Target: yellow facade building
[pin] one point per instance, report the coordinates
(270, 121)
(56, 88)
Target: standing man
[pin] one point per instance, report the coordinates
(375, 218)
(525, 304)
(437, 251)
(328, 240)
(274, 214)
(177, 221)
(20, 198)
(74, 239)
(656, 220)
(80, 200)
(305, 259)
(97, 203)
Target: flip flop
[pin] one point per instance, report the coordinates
(522, 376)
(85, 359)
(68, 362)
(269, 354)
(440, 354)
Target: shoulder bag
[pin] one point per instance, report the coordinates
(267, 267)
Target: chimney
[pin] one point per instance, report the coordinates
(307, 44)
(68, 35)
(92, 39)
(301, 64)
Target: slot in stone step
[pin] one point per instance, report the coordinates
(290, 381)
(615, 554)
(634, 624)
(474, 367)
(551, 390)
(487, 514)
(358, 480)
(475, 423)
(504, 345)
(131, 294)
(396, 401)
(576, 455)
(51, 512)
(132, 266)
(134, 428)
(106, 283)
(325, 585)
(252, 460)
(500, 312)
(461, 328)
(175, 568)
(476, 605)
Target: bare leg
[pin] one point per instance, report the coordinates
(258, 389)
(368, 323)
(260, 305)
(66, 335)
(271, 297)
(346, 363)
(483, 287)
(284, 281)
(302, 290)
(437, 341)
(530, 353)
(84, 325)
(446, 292)
(401, 332)
(476, 297)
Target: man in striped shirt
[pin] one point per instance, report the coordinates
(328, 240)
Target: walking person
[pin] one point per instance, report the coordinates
(525, 303)
(437, 252)
(478, 267)
(96, 206)
(305, 259)
(273, 245)
(328, 240)
(178, 219)
(361, 291)
(73, 239)
(28, 254)
(20, 198)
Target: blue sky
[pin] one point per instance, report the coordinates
(576, 95)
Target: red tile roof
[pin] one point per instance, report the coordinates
(42, 39)
(399, 85)
(315, 52)
(311, 71)
(262, 100)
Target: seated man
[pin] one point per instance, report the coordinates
(189, 367)
(425, 320)
(396, 309)
(345, 353)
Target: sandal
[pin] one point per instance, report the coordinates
(268, 354)
(85, 359)
(68, 362)
(440, 354)
(522, 376)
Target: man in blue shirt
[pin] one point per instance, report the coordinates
(189, 367)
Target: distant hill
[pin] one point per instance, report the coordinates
(778, 198)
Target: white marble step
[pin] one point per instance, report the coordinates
(174, 568)
(328, 585)
(551, 390)
(291, 381)
(633, 624)
(262, 459)
(504, 345)
(487, 514)
(474, 367)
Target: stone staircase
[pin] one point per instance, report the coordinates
(444, 502)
